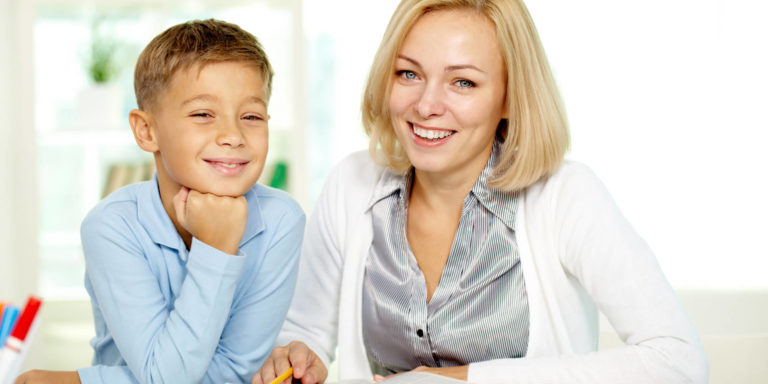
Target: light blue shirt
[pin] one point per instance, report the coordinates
(167, 315)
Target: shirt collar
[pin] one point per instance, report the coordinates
(503, 204)
(152, 216)
(389, 183)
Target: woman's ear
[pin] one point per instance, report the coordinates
(144, 130)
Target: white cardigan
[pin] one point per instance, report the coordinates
(578, 255)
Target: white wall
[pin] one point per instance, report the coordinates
(18, 190)
(667, 102)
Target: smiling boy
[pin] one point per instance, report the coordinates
(191, 274)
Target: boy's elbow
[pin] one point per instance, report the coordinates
(166, 373)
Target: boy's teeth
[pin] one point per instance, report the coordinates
(228, 165)
(431, 134)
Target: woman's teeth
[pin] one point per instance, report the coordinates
(431, 134)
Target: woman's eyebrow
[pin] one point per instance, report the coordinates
(412, 61)
(449, 68)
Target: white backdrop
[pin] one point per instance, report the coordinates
(667, 102)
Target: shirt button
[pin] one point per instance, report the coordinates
(420, 333)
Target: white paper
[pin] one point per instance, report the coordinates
(409, 378)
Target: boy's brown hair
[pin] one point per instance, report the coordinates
(197, 42)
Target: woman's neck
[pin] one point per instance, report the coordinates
(446, 189)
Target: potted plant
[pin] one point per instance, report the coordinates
(100, 103)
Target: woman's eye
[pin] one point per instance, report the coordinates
(253, 117)
(201, 114)
(463, 83)
(408, 75)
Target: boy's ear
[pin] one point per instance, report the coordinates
(144, 129)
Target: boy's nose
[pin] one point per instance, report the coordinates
(229, 134)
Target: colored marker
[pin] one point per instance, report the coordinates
(9, 320)
(12, 354)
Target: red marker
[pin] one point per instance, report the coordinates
(12, 354)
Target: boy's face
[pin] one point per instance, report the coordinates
(211, 129)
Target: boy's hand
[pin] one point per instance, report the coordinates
(218, 221)
(307, 366)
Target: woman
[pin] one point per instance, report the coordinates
(464, 245)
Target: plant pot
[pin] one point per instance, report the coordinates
(100, 106)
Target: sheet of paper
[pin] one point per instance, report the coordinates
(409, 378)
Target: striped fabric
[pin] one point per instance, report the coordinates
(479, 310)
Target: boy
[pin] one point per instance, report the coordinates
(191, 274)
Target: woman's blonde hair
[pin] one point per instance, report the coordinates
(535, 137)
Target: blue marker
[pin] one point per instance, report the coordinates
(9, 320)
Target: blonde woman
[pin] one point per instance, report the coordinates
(462, 244)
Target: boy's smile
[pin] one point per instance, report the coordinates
(210, 130)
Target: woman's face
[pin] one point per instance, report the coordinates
(448, 92)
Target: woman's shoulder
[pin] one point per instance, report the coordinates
(358, 163)
(356, 173)
(573, 180)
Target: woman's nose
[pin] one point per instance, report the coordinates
(431, 101)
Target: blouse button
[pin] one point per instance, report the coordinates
(420, 333)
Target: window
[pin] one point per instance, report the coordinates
(78, 143)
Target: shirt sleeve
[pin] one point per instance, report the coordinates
(257, 315)
(113, 374)
(600, 249)
(160, 342)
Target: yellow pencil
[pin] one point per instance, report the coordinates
(288, 372)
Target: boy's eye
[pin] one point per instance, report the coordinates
(201, 114)
(464, 83)
(253, 117)
(406, 74)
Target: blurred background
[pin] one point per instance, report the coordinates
(667, 102)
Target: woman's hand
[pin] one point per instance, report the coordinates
(36, 376)
(458, 372)
(307, 366)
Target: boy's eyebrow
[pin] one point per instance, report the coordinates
(203, 97)
(257, 99)
(207, 97)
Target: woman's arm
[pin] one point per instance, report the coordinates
(599, 249)
(313, 315)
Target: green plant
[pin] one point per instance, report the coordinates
(102, 63)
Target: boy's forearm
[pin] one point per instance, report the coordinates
(155, 341)
(256, 316)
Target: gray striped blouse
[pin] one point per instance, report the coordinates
(479, 310)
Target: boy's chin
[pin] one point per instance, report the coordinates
(231, 192)
(224, 190)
